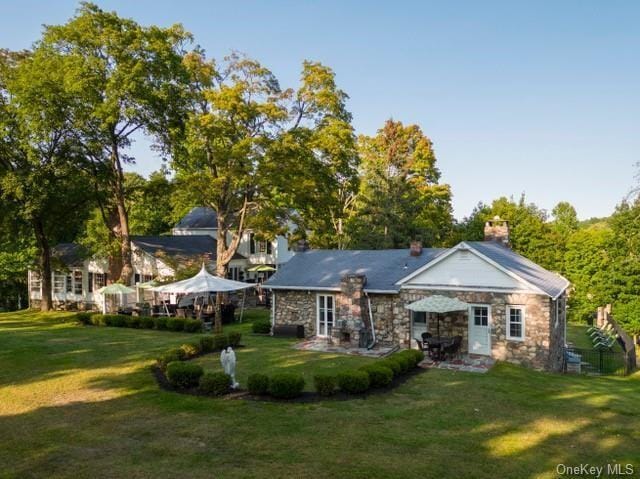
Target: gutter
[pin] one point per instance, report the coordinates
(373, 329)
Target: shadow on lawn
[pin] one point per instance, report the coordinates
(510, 422)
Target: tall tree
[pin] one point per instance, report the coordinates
(38, 148)
(254, 152)
(126, 79)
(400, 197)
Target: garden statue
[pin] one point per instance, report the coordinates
(228, 361)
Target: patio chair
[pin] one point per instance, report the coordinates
(420, 344)
(453, 349)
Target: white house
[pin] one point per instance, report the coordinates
(203, 221)
(77, 277)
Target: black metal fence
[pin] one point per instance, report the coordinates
(598, 362)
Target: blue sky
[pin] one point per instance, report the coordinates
(534, 97)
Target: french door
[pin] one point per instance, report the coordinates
(326, 313)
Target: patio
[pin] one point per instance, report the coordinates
(323, 346)
(467, 363)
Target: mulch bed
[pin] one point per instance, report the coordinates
(305, 397)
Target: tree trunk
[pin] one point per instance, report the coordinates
(45, 265)
(221, 270)
(123, 217)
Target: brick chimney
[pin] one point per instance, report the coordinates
(415, 248)
(497, 229)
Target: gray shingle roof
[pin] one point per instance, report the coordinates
(69, 254)
(179, 246)
(199, 217)
(324, 268)
(551, 283)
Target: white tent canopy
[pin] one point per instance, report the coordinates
(438, 304)
(201, 283)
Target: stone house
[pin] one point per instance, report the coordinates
(516, 309)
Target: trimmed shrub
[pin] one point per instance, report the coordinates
(98, 320)
(325, 384)
(258, 383)
(391, 364)
(416, 355)
(160, 323)
(206, 344)
(115, 320)
(261, 326)
(233, 339)
(219, 342)
(215, 383)
(190, 350)
(412, 356)
(379, 376)
(133, 322)
(403, 361)
(184, 375)
(286, 385)
(175, 324)
(192, 326)
(169, 357)
(84, 318)
(146, 322)
(353, 381)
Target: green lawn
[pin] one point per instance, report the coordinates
(265, 354)
(81, 402)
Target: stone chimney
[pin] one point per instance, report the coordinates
(497, 229)
(302, 246)
(415, 248)
(351, 310)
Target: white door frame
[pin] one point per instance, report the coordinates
(471, 324)
(333, 302)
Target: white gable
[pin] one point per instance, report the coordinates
(464, 268)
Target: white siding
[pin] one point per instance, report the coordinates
(463, 268)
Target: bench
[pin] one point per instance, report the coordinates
(289, 331)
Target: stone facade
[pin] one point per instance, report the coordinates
(351, 310)
(296, 307)
(544, 326)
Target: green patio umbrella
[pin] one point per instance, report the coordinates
(438, 304)
(261, 268)
(112, 289)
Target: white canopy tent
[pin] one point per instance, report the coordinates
(203, 282)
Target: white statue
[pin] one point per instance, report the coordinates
(228, 361)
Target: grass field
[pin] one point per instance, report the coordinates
(81, 402)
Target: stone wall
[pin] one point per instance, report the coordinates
(296, 307)
(534, 351)
(541, 348)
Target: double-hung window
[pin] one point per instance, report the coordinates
(77, 282)
(515, 323)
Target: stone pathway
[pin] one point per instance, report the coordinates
(466, 363)
(325, 347)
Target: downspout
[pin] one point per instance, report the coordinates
(273, 310)
(373, 329)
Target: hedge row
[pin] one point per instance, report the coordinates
(379, 374)
(279, 385)
(160, 323)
